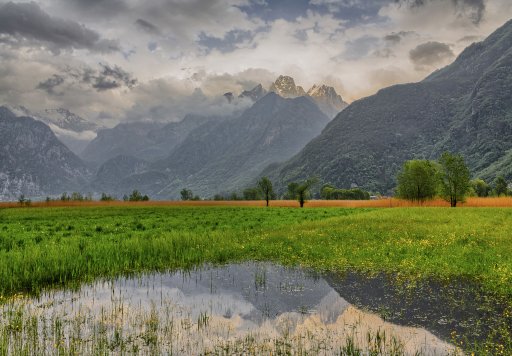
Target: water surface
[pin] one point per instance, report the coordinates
(238, 308)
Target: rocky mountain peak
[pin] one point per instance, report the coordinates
(67, 120)
(327, 98)
(285, 86)
(254, 94)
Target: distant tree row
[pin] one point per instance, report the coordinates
(499, 189)
(449, 178)
(328, 192)
(135, 196)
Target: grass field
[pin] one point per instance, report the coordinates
(52, 246)
(45, 246)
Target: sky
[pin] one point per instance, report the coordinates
(118, 60)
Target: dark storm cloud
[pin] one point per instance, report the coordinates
(473, 9)
(147, 26)
(113, 77)
(29, 24)
(51, 83)
(106, 78)
(430, 54)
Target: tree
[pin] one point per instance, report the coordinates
(22, 200)
(265, 187)
(251, 194)
(454, 178)
(137, 196)
(418, 180)
(481, 188)
(186, 194)
(302, 191)
(500, 186)
(292, 190)
(106, 197)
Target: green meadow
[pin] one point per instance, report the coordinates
(42, 247)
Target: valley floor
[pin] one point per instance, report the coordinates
(66, 246)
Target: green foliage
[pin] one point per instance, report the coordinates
(501, 187)
(186, 194)
(480, 187)
(136, 196)
(418, 180)
(292, 190)
(75, 196)
(265, 188)
(329, 192)
(455, 178)
(303, 190)
(106, 197)
(251, 194)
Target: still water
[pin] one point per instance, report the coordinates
(254, 308)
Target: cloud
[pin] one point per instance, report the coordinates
(113, 77)
(148, 27)
(232, 40)
(51, 83)
(28, 24)
(471, 9)
(94, 8)
(396, 37)
(360, 47)
(430, 54)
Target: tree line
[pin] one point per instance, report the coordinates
(448, 178)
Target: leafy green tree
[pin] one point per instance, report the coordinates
(455, 182)
(251, 194)
(137, 196)
(266, 189)
(303, 191)
(106, 197)
(328, 192)
(186, 194)
(292, 190)
(418, 180)
(500, 186)
(481, 188)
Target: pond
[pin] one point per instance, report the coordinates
(239, 308)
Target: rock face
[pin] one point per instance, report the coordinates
(254, 94)
(465, 107)
(34, 162)
(72, 130)
(327, 99)
(285, 87)
(223, 156)
(68, 121)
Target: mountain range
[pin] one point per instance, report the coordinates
(73, 130)
(465, 107)
(286, 134)
(34, 162)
